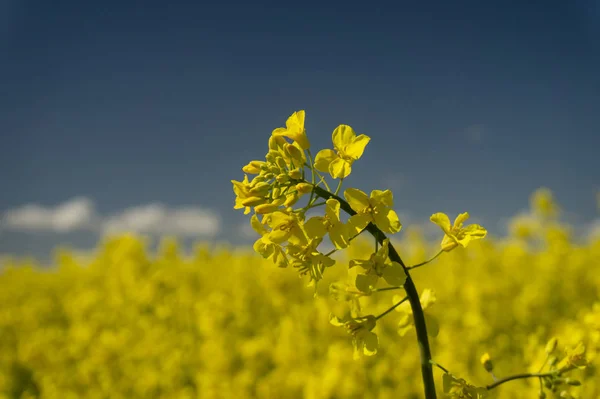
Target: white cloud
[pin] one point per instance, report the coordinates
(79, 214)
(159, 219)
(75, 214)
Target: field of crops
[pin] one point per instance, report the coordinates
(225, 323)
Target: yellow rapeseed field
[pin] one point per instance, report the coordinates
(225, 323)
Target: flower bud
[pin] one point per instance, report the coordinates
(295, 173)
(541, 395)
(282, 178)
(275, 142)
(294, 152)
(551, 345)
(304, 188)
(253, 168)
(291, 199)
(279, 200)
(265, 208)
(572, 382)
(252, 201)
(260, 189)
(281, 163)
(486, 361)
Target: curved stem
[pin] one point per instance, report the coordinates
(387, 289)
(518, 376)
(411, 292)
(392, 308)
(424, 263)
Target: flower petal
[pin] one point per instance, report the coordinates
(442, 220)
(475, 231)
(382, 197)
(356, 148)
(315, 228)
(340, 168)
(332, 210)
(336, 321)
(371, 343)
(449, 242)
(460, 219)
(364, 282)
(357, 223)
(388, 221)
(257, 225)
(394, 275)
(338, 234)
(357, 199)
(342, 136)
(323, 159)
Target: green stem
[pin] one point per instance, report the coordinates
(386, 289)
(314, 205)
(518, 376)
(545, 361)
(339, 187)
(440, 366)
(411, 292)
(350, 239)
(392, 308)
(312, 170)
(322, 180)
(424, 263)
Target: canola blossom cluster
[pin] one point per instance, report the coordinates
(288, 238)
(220, 322)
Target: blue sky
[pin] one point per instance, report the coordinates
(118, 107)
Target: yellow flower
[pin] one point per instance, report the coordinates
(457, 234)
(318, 226)
(242, 192)
(575, 358)
(375, 209)
(308, 260)
(455, 387)
(265, 247)
(364, 340)
(349, 148)
(286, 227)
(378, 265)
(294, 130)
